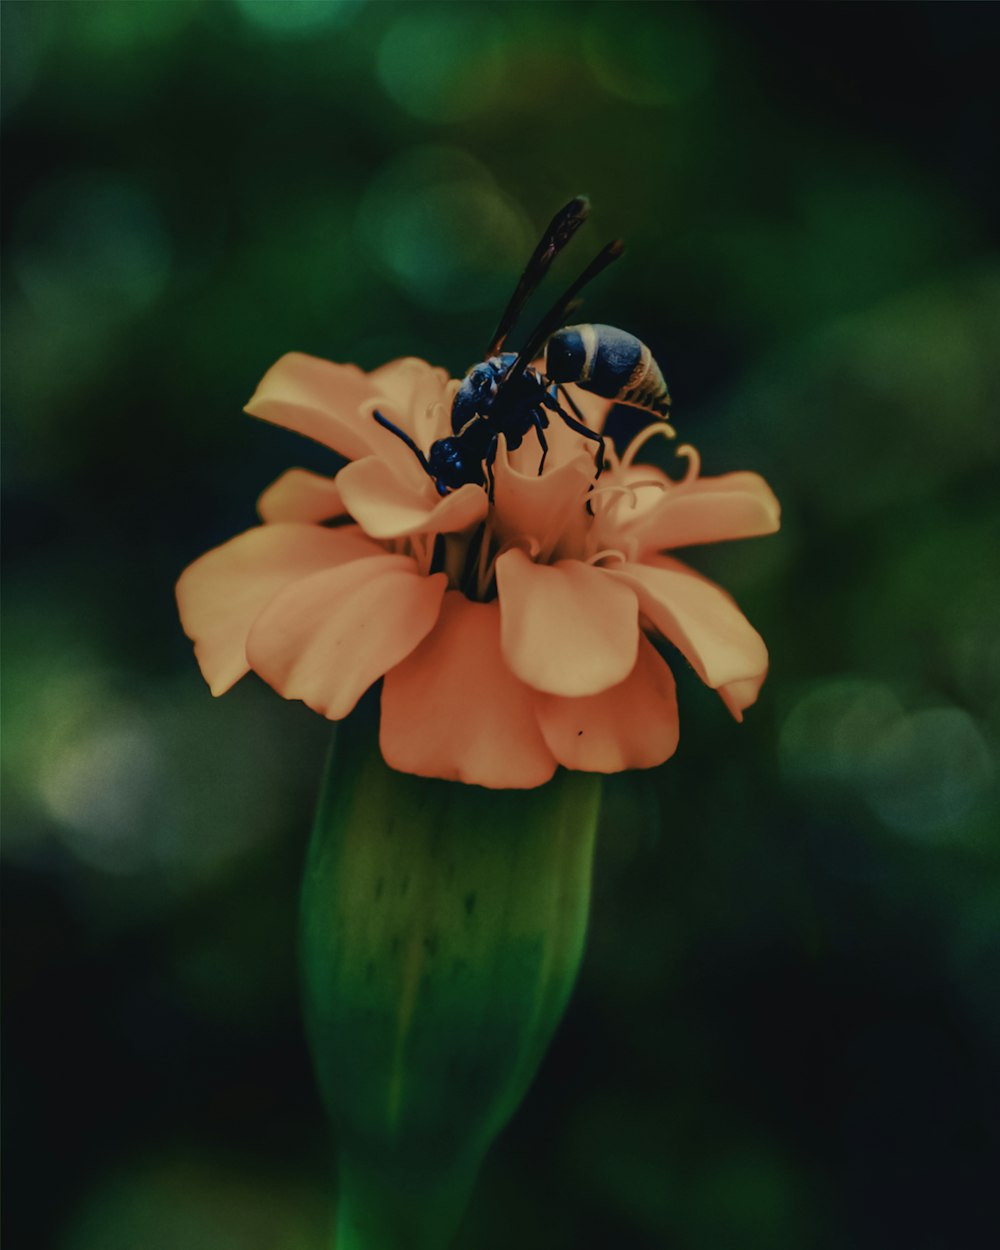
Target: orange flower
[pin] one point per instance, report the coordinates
(512, 636)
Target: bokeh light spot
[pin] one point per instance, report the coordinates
(134, 778)
(445, 231)
(974, 642)
(928, 770)
(116, 28)
(27, 35)
(104, 789)
(638, 57)
(830, 731)
(445, 65)
(92, 246)
(192, 1201)
(296, 17)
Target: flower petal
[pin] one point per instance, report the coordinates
(326, 638)
(707, 510)
(566, 628)
(318, 399)
(632, 725)
(221, 594)
(387, 506)
(699, 618)
(299, 495)
(453, 709)
(528, 507)
(411, 386)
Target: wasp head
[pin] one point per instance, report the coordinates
(476, 394)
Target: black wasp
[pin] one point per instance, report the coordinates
(507, 395)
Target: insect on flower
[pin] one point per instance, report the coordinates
(512, 635)
(505, 394)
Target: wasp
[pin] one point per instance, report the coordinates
(506, 394)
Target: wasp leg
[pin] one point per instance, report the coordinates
(539, 421)
(401, 434)
(559, 389)
(579, 427)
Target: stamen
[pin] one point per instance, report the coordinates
(456, 553)
(486, 575)
(643, 437)
(644, 484)
(694, 462)
(484, 565)
(420, 549)
(437, 548)
(614, 490)
(428, 554)
(608, 553)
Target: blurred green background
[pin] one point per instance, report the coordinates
(786, 1032)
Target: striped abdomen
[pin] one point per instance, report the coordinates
(609, 362)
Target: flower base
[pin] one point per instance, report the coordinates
(442, 930)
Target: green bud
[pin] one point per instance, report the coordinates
(442, 930)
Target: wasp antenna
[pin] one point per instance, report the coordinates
(405, 438)
(560, 230)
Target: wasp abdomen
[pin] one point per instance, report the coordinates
(609, 362)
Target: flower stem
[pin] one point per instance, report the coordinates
(384, 1208)
(442, 930)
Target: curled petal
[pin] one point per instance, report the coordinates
(326, 638)
(621, 497)
(387, 506)
(707, 510)
(527, 506)
(299, 495)
(699, 618)
(646, 485)
(632, 725)
(566, 628)
(453, 710)
(318, 399)
(739, 695)
(222, 593)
